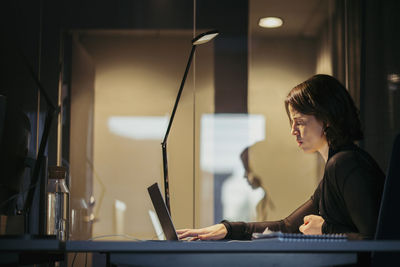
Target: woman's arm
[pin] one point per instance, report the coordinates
(291, 224)
(213, 232)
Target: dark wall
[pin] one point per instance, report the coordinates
(20, 27)
(20, 31)
(380, 93)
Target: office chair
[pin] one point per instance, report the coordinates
(388, 227)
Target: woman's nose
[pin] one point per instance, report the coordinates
(294, 131)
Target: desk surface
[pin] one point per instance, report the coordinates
(208, 253)
(233, 246)
(28, 245)
(259, 246)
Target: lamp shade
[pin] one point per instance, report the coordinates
(204, 37)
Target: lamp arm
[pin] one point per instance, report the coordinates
(179, 93)
(164, 142)
(166, 179)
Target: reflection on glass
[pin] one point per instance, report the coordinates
(223, 138)
(119, 217)
(138, 127)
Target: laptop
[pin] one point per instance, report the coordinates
(162, 212)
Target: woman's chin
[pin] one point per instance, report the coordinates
(307, 150)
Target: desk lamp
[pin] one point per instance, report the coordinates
(199, 39)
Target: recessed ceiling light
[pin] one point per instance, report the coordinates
(270, 22)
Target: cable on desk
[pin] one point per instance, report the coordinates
(73, 261)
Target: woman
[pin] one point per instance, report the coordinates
(323, 118)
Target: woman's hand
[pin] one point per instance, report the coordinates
(214, 232)
(312, 225)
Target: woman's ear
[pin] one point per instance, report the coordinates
(325, 127)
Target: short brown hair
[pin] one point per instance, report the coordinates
(328, 100)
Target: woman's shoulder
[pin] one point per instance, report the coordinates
(348, 155)
(351, 159)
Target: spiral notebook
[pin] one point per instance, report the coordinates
(288, 237)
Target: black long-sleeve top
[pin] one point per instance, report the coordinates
(348, 199)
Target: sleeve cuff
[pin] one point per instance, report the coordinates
(228, 229)
(237, 230)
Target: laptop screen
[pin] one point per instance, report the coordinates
(162, 212)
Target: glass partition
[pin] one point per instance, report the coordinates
(137, 77)
(230, 151)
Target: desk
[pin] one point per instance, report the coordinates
(217, 253)
(233, 253)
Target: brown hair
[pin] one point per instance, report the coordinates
(328, 100)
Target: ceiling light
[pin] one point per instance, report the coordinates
(270, 22)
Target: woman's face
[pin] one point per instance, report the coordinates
(309, 131)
